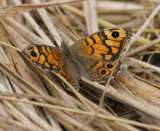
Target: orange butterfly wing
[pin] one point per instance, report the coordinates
(98, 53)
(51, 58)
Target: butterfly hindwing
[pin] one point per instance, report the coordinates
(67, 73)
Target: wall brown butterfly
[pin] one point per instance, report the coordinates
(97, 55)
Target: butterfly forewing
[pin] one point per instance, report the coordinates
(104, 45)
(47, 57)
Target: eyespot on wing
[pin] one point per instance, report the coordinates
(47, 57)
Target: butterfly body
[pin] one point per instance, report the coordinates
(97, 56)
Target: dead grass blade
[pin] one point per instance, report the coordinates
(18, 9)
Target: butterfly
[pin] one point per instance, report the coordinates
(95, 56)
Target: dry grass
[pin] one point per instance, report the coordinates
(33, 99)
